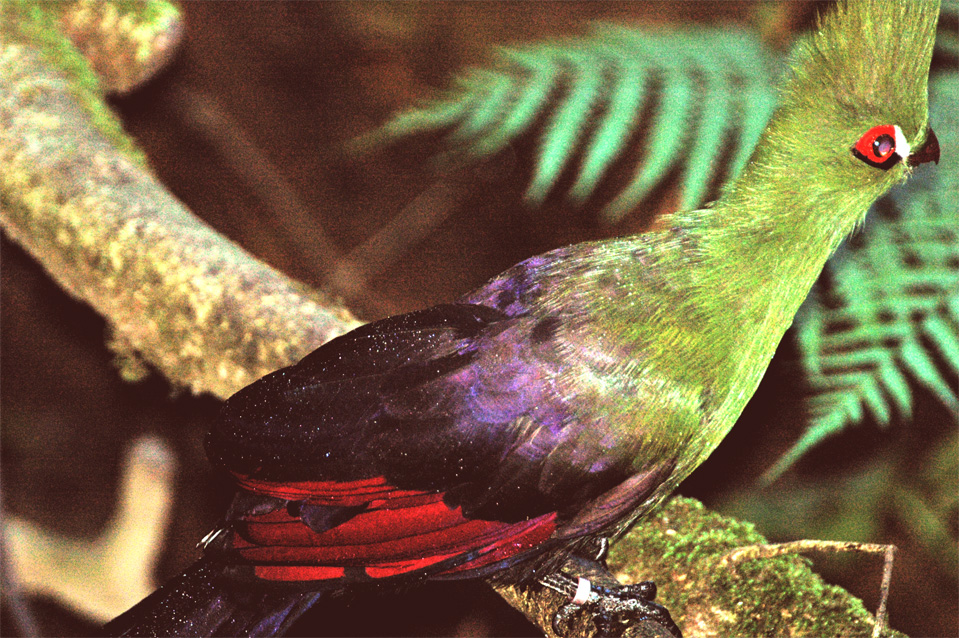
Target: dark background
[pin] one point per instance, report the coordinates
(262, 94)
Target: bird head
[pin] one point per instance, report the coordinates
(852, 120)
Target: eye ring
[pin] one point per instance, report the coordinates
(882, 146)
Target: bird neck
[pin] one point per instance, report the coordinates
(726, 281)
(763, 244)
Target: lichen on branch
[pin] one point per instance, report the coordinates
(682, 548)
(192, 304)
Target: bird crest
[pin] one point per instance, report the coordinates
(873, 59)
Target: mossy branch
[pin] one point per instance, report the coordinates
(210, 317)
(684, 548)
(198, 308)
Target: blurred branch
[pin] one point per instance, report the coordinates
(197, 307)
(413, 224)
(235, 148)
(126, 44)
(106, 576)
(11, 590)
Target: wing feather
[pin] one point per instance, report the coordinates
(416, 445)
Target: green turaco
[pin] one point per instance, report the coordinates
(559, 403)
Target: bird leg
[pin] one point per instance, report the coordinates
(613, 607)
(599, 548)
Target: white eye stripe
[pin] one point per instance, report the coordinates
(902, 146)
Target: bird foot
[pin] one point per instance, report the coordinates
(613, 608)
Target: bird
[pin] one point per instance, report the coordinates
(558, 404)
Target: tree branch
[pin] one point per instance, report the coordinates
(104, 576)
(194, 305)
(684, 548)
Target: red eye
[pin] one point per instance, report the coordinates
(882, 146)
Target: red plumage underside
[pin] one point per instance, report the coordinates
(398, 532)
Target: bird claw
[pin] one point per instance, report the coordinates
(614, 608)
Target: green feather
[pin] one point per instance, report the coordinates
(692, 314)
(708, 301)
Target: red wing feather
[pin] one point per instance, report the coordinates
(398, 532)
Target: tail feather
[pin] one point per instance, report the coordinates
(204, 601)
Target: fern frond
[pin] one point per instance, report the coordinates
(572, 115)
(718, 111)
(529, 99)
(613, 131)
(706, 91)
(947, 39)
(893, 311)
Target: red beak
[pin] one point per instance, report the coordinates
(928, 152)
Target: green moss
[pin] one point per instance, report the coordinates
(35, 24)
(683, 548)
(138, 20)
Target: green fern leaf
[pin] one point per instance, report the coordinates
(706, 91)
(530, 99)
(947, 40)
(612, 134)
(894, 304)
(714, 120)
(570, 117)
(495, 92)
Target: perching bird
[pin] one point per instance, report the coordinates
(560, 402)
